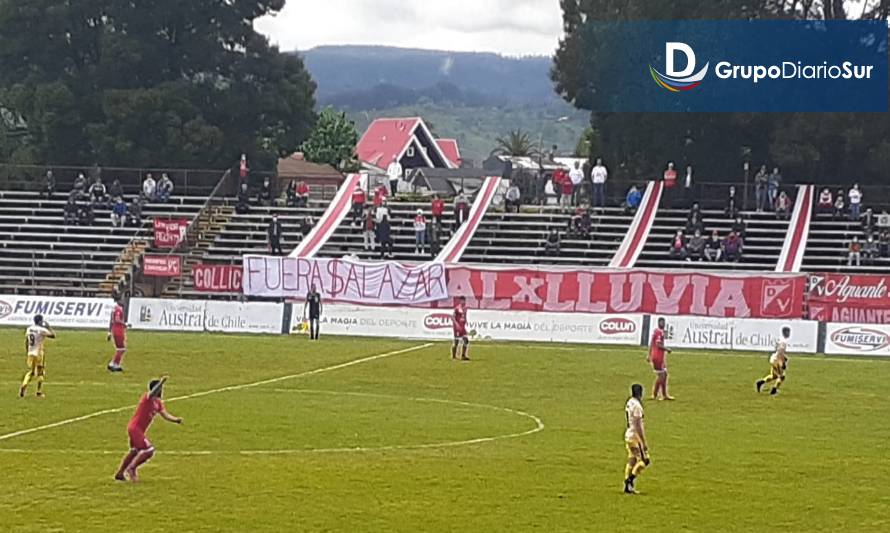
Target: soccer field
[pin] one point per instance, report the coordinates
(281, 434)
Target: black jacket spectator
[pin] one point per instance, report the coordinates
(49, 184)
(306, 225)
(714, 247)
(732, 203)
(134, 213)
(869, 221)
(71, 209)
(552, 244)
(116, 190)
(243, 205)
(384, 238)
(265, 194)
(85, 215)
(275, 232)
(434, 237)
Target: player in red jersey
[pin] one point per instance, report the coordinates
(459, 324)
(141, 449)
(657, 351)
(117, 331)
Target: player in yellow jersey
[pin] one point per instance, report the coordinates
(35, 335)
(778, 363)
(634, 439)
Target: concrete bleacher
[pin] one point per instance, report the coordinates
(519, 237)
(39, 253)
(763, 244)
(827, 247)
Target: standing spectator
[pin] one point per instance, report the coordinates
(839, 207)
(576, 176)
(599, 174)
(869, 220)
(419, 232)
(855, 197)
(243, 170)
(302, 194)
(854, 252)
(49, 184)
(368, 225)
(696, 246)
(574, 226)
(773, 184)
(384, 238)
(149, 187)
(761, 180)
(71, 210)
(134, 213)
(165, 188)
(461, 210)
(265, 195)
(306, 225)
(669, 176)
(119, 213)
(551, 245)
(733, 248)
(694, 220)
(380, 195)
(678, 246)
(714, 248)
(275, 231)
(437, 207)
(826, 203)
(513, 198)
(243, 201)
(80, 183)
(783, 206)
(433, 230)
(550, 195)
(732, 203)
(633, 199)
(740, 228)
(870, 250)
(382, 212)
(394, 173)
(567, 189)
(688, 183)
(358, 205)
(98, 193)
(290, 194)
(116, 189)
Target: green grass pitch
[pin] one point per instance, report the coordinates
(415, 442)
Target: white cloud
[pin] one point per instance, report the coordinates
(513, 27)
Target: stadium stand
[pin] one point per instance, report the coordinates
(828, 247)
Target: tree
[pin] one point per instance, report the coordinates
(333, 141)
(517, 143)
(151, 83)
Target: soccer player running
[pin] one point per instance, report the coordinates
(657, 351)
(313, 303)
(34, 337)
(117, 331)
(459, 325)
(778, 362)
(141, 450)
(634, 439)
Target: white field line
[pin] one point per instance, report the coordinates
(539, 426)
(215, 391)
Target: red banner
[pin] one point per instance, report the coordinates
(217, 278)
(634, 291)
(863, 299)
(169, 232)
(162, 265)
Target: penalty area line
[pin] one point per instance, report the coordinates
(243, 386)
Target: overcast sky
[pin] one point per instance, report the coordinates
(512, 27)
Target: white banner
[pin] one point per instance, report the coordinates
(253, 317)
(170, 315)
(742, 334)
(406, 322)
(66, 312)
(857, 339)
(200, 315)
(343, 280)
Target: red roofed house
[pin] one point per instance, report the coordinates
(409, 140)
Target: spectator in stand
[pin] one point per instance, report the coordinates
(134, 213)
(854, 252)
(85, 214)
(306, 225)
(380, 195)
(394, 173)
(694, 212)
(419, 232)
(694, 221)
(732, 203)
(461, 210)
(761, 180)
(433, 231)
(437, 207)
(733, 247)
(264, 197)
(550, 195)
(80, 183)
(576, 176)
(633, 199)
(883, 220)
(773, 184)
(98, 193)
(884, 244)
(740, 228)
(567, 190)
(242, 205)
(149, 187)
(678, 246)
(165, 188)
(670, 183)
(855, 197)
(243, 170)
(382, 212)
(513, 198)
(783, 206)
(290, 194)
(826, 203)
(869, 221)
(839, 206)
(714, 247)
(574, 229)
(599, 174)
(384, 238)
(688, 183)
(116, 189)
(368, 225)
(870, 250)
(358, 205)
(586, 222)
(302, 194)
(275, 232)
(696, 246)
(551, 244)
(119, 213)
(71, 210)
(49, 184)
